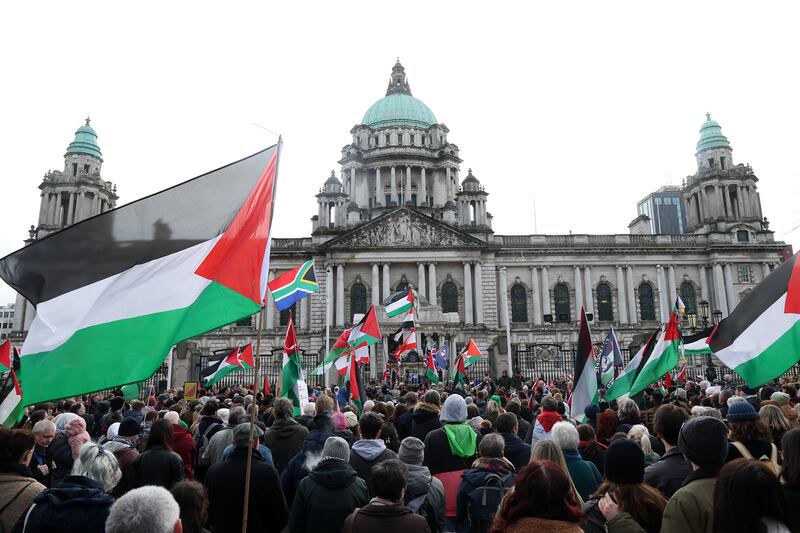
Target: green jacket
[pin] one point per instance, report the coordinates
(624, 523)
(691, 509)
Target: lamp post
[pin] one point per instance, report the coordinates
(691, 318)
(717, 316)
(704, 308)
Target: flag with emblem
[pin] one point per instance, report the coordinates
(471, 353)
(609, 355)
(292, 286)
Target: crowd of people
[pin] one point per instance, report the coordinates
(489, 457)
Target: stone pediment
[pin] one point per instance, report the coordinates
(404, 228)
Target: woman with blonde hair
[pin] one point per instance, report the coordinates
(641, 436)
(547, 450)
(776, 421)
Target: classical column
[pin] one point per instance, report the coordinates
(673, 289)
(70, 208)
(536, 298)
(764, 270)
(432, 283)
(436, 189)
(634, 316)
(393, 186)
(578, 292)
(727, 202)
(701, 270)
(729, 292)
(467, 293)
(304, 321)
(478, 292)
(270, 318)
(408, 185)
(503, 314)
(447, 194)
(340, 294)
(329, 295)
(622, 303)
(719, 285)
(548, 309)
(376, 285)
(378, 187)
(662, 294)
(386, 281)
(42, 208)
(54, 209)
(421, 288)
(422, 193)
(588, 300)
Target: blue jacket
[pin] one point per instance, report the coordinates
(76, 504)
(516, 450)
(297, 469)
(584, 474)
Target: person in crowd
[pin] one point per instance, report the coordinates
(492, 410)
(623, 485)
(607, 423)
(268, 511)
(80, 409)
(285, 437)
(18, 488)
(547, 450)
(790, 476)
(61, 448)
(307, 416)
(591, 411)
(584, 474)
(114, 413)
(484, 485)
(424, 493)
(212, 452)
(136, 412)
(785, 401)
(590, 449)
(542, 500)
(41, 465)
(340, 428)
(388, 431)
(351, 423)
(151, 509)
(385, 512)
(80, 503)
(192, 498)
(149, 418)
(329, 493)
(298, 466)
(516, 450)
(426, 415)
(403, 422)
(182, 443)
(209, 424)
(544, 421)
(772, 416)
(749, 436)
(125, 446)
(158, 464)
(748, 498)
(371, 449)
(668, 473)
(474, 418)
(704, 442)
(628, 413)
(454, 446)
(641, 436)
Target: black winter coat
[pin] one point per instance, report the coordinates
(155, 466)
(424, 420)
(516, 450)
(61, 453)
(76, 505)
(285, 439)
(326, 497)
(225, 482)
(403, 424)
(668, 473)
(439, 458)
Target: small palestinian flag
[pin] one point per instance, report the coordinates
(584, 392)
(680, 377)
(218, 370)
(430, 371)
(114, 293)
(609, 355)
(5, 356)
(294, 285)
(760, 339)
(622, 384)
(459, 372)
(11, 406)
(353, 383)
(337, 356)
(697, 344)
(471, 353)
(401, 305)
(291, 372)
(663, 358)
(365, 333)
(246, 359)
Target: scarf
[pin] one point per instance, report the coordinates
(548, 419)
(461, 438)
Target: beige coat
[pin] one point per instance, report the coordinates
(16, 495)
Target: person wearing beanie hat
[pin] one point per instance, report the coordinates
(780, 397)
(341, 429)
(329, 493)
(124, 446)
(454, 446)
(426, 415)
(421, 487)
(636, 506)
(749, 436)
(704, 441)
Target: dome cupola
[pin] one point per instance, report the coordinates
(85, 141)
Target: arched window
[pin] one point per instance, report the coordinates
(449, 297)
(647, 307)
(561, 301)
(358, 300)
(284, 319)
(688, 297)
(519, 303)
(605, 305)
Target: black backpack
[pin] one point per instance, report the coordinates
(422, 507)
(485, 499)
(201, 441)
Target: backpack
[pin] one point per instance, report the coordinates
(201, 441)
(484, 500)
(422, 507)
(770, 462)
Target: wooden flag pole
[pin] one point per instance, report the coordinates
(252, 421)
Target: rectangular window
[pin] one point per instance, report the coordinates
(74, 169)
(722, 163)
(86, 168)
(743, 235)
(745, 276)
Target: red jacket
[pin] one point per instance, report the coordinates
(183, 444)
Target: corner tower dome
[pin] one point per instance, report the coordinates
(711, 136)
(398, 107)
(85, 141)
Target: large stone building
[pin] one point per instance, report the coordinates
(401, 212)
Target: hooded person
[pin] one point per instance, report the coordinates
(454, 446)
(371, 448)
(426, 415)
(124, 445)
(151, 509)
(544, 421)
(704, 442)
(329, 493)
(423, 491)
(182, 443)
(60, 449)
(285, 436)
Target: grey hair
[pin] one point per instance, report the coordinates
(283, 408)
(236, 416)
(308, 409)
(628, 409)
(43, 425)
(151, 508)
(62, 420)
(565, 435)
(641, 436)
(492, 445)
(492, 407)
(98, 464)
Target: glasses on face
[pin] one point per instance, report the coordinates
(47, 437)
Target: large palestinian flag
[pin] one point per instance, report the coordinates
(662, 359)
(622, 384)
(584, 392)
(760, 339)
(114, 292)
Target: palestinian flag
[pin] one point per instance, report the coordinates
(408, 343)
(680, 377)
(338, 352)
(267, 388)
(5, 356)
(218, 370)
(471, 353)
(609, 356)
(663, 358)
(115, 292)
(291, 372)
(401, 305)
(622, 384)
(294, 285)
(459, 372)
(760, 339)
(354, 383)
(363, 334)
(584, 393)
(246, 359)
(698, 342)
(430, 371)
(11, 406)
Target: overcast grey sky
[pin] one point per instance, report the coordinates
(584, 106)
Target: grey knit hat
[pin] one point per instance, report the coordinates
(412, 451)
(454, 410)
(336, 447)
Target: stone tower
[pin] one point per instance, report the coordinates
(69, 196)
(332, 206)
(471, 201)
(721, 197)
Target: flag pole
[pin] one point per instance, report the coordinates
(325, 376)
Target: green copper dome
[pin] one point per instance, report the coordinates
(398, 107)
(85, 141)
(711, 136)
